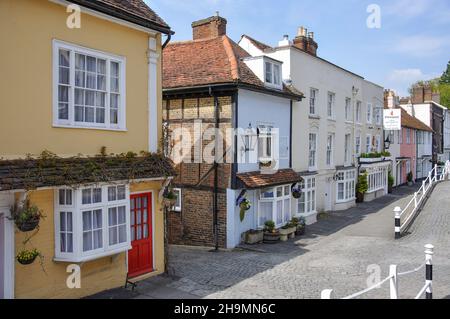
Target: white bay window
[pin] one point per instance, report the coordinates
(306, 204)
(345, 183)
(91, 222)
(89, 88)
(275, 205)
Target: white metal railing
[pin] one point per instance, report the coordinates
(393, 279)
(404, 216)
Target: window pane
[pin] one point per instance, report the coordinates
(86, 195)
(64, 75)
(79, 113)
(122, 234)
(139, 233)
(265, 212)
(64, 58)
(99, 115)
(80, 61)
(122, 214)
(115, 85)
(112, 193)
(63, 93)
(114, 116)
(97, 195)
(100, 99)
(68, 197)
(91, 64)
(279, 191)
(113, 236)
(62, 223)
(145, 231)
(121, 192)
(91, 80)
(80, 79)
(114, 101)
(87, 241)
(87, 221)
(101, 82)
(69, 239)
(279, 212)
(69, 222)
(112, 216)
(89, 114)
(101, 66)
(90, 98)
(63, 242)
(287, 210)
(97, 219)
(63, 111)
(62, 197)
(115, 69)
(98, 239)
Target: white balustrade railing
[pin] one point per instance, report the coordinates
(394, 277)
(404, 216)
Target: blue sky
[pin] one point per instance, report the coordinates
(412, 44)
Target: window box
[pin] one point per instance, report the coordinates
(91, 222)
(370, 160)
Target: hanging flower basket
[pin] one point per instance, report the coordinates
(296, 193)
(169, 198)
(245, 206)
(26, 216)
(27, 257)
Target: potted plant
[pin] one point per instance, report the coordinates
(271, 235)
(253, 236)
(300, 224)
(170, 198)
(244, 206)
(26, 216)
(297, 192)
(390, 182)
(361, 187)
(410, 178)
(287, 231)
(27, 257)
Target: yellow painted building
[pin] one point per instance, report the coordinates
(81, 79)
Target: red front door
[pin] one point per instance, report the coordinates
(140, 257)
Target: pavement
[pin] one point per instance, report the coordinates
(345, 251)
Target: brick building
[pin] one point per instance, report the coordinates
(210, 82)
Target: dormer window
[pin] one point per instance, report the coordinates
(272, 74)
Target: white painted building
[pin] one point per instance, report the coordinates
(447, 136)
(340, 118)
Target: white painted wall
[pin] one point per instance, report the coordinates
(258, 108)
(420, 111)
(248, 46)
(307, 72)
(7, 250)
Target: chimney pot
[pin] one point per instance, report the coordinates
(311, 35)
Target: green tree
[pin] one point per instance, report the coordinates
(445, 78)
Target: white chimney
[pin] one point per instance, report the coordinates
(311, 35)
(302, 32)
(285, 42)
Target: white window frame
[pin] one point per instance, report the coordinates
(331, 102)
(378, 144)
(71, 123)
(348, 109)
(273, 77)
(377, 179)
(358, 111)
(285, 196)
(309, 196)
(369, 113)
(330, 150)
(265, 139)
(313, 97)
(408, 135)
(348, 181)
(378, 115)
(347, 148)
(312, 151)
(77, 209)
(178, 205)
(369, 145)
(358, 144)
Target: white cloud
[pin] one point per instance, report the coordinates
(401, 79)
(421, 45)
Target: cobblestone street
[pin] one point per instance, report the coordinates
(334, 254)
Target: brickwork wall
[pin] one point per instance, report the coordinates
(194, 224)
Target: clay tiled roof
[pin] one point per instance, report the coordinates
(50, 172)
(256, 43)
(256, 180)
(414, 123)
(207, 62)
(137, 10)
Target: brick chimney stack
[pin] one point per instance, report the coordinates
(305, 41)
(211, 27)
(422, 94)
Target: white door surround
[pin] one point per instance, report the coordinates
(7, 258)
